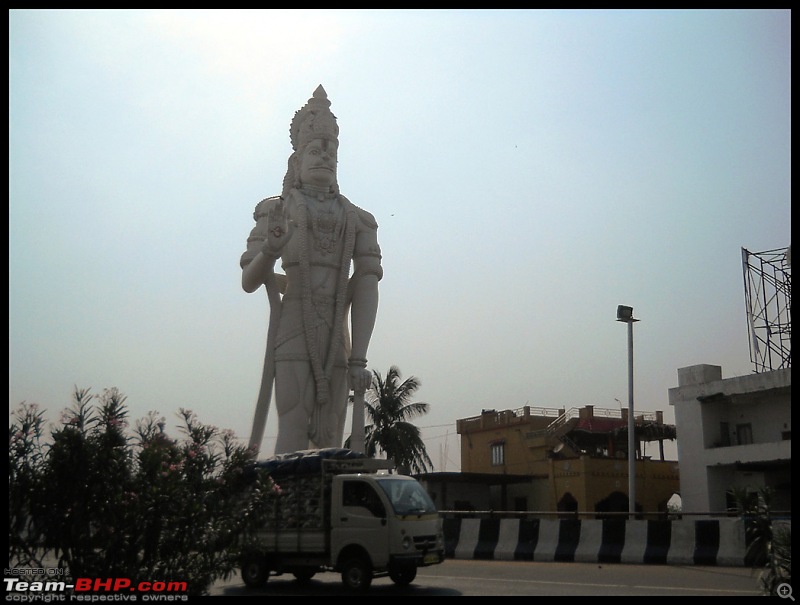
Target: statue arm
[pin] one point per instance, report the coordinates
(364, 301)
(272, 231)
(255, 273)
(364, 310)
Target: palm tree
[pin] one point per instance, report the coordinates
(387, 406)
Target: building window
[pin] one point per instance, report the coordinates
(744, 434)
(724, 434)
(498, 454)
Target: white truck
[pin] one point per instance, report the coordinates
(336, 510)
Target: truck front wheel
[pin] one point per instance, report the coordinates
(402, 574)
(254, 570)
(357, 574)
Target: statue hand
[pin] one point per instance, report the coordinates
(358, 378)
(279, 230)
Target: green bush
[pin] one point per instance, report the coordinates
(103, 501)
(769, 540)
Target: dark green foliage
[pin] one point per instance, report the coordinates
(388, 407)
(101, 502)
(769, 540)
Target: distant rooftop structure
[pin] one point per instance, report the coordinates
(768, 300)
(599, 432)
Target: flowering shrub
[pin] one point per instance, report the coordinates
(102, 500)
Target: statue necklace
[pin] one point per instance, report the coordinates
(326, 218)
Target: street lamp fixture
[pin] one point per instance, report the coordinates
(625, 315)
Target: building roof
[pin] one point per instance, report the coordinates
(645, 430)
(483, 478)
(600, 425)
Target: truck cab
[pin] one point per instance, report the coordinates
(383, 523)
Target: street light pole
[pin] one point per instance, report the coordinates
(625, 315)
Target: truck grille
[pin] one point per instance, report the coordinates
(424, 543)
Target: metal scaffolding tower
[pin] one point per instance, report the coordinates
(768, 298)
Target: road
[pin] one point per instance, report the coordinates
(526, 578)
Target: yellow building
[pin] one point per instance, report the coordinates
(566, 460)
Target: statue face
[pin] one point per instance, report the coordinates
(318, 163)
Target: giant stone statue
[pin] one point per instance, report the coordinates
(328, 250)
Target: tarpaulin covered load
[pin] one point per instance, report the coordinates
(304, 462)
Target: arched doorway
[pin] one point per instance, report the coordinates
(568, 505)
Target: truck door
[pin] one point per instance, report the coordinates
(361, 520)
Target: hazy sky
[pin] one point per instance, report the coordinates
(529, 171)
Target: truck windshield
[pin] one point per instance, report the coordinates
(407, 497)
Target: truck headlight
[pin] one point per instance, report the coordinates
(406, 542)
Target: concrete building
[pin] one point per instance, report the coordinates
(540, 459)
(735, 434)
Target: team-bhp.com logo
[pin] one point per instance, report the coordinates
(32, 589)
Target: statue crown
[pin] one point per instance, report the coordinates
(314, 121)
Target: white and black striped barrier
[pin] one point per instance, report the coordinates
(669, 542)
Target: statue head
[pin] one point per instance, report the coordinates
(314, 134)
(316, 164)
(314, 121)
